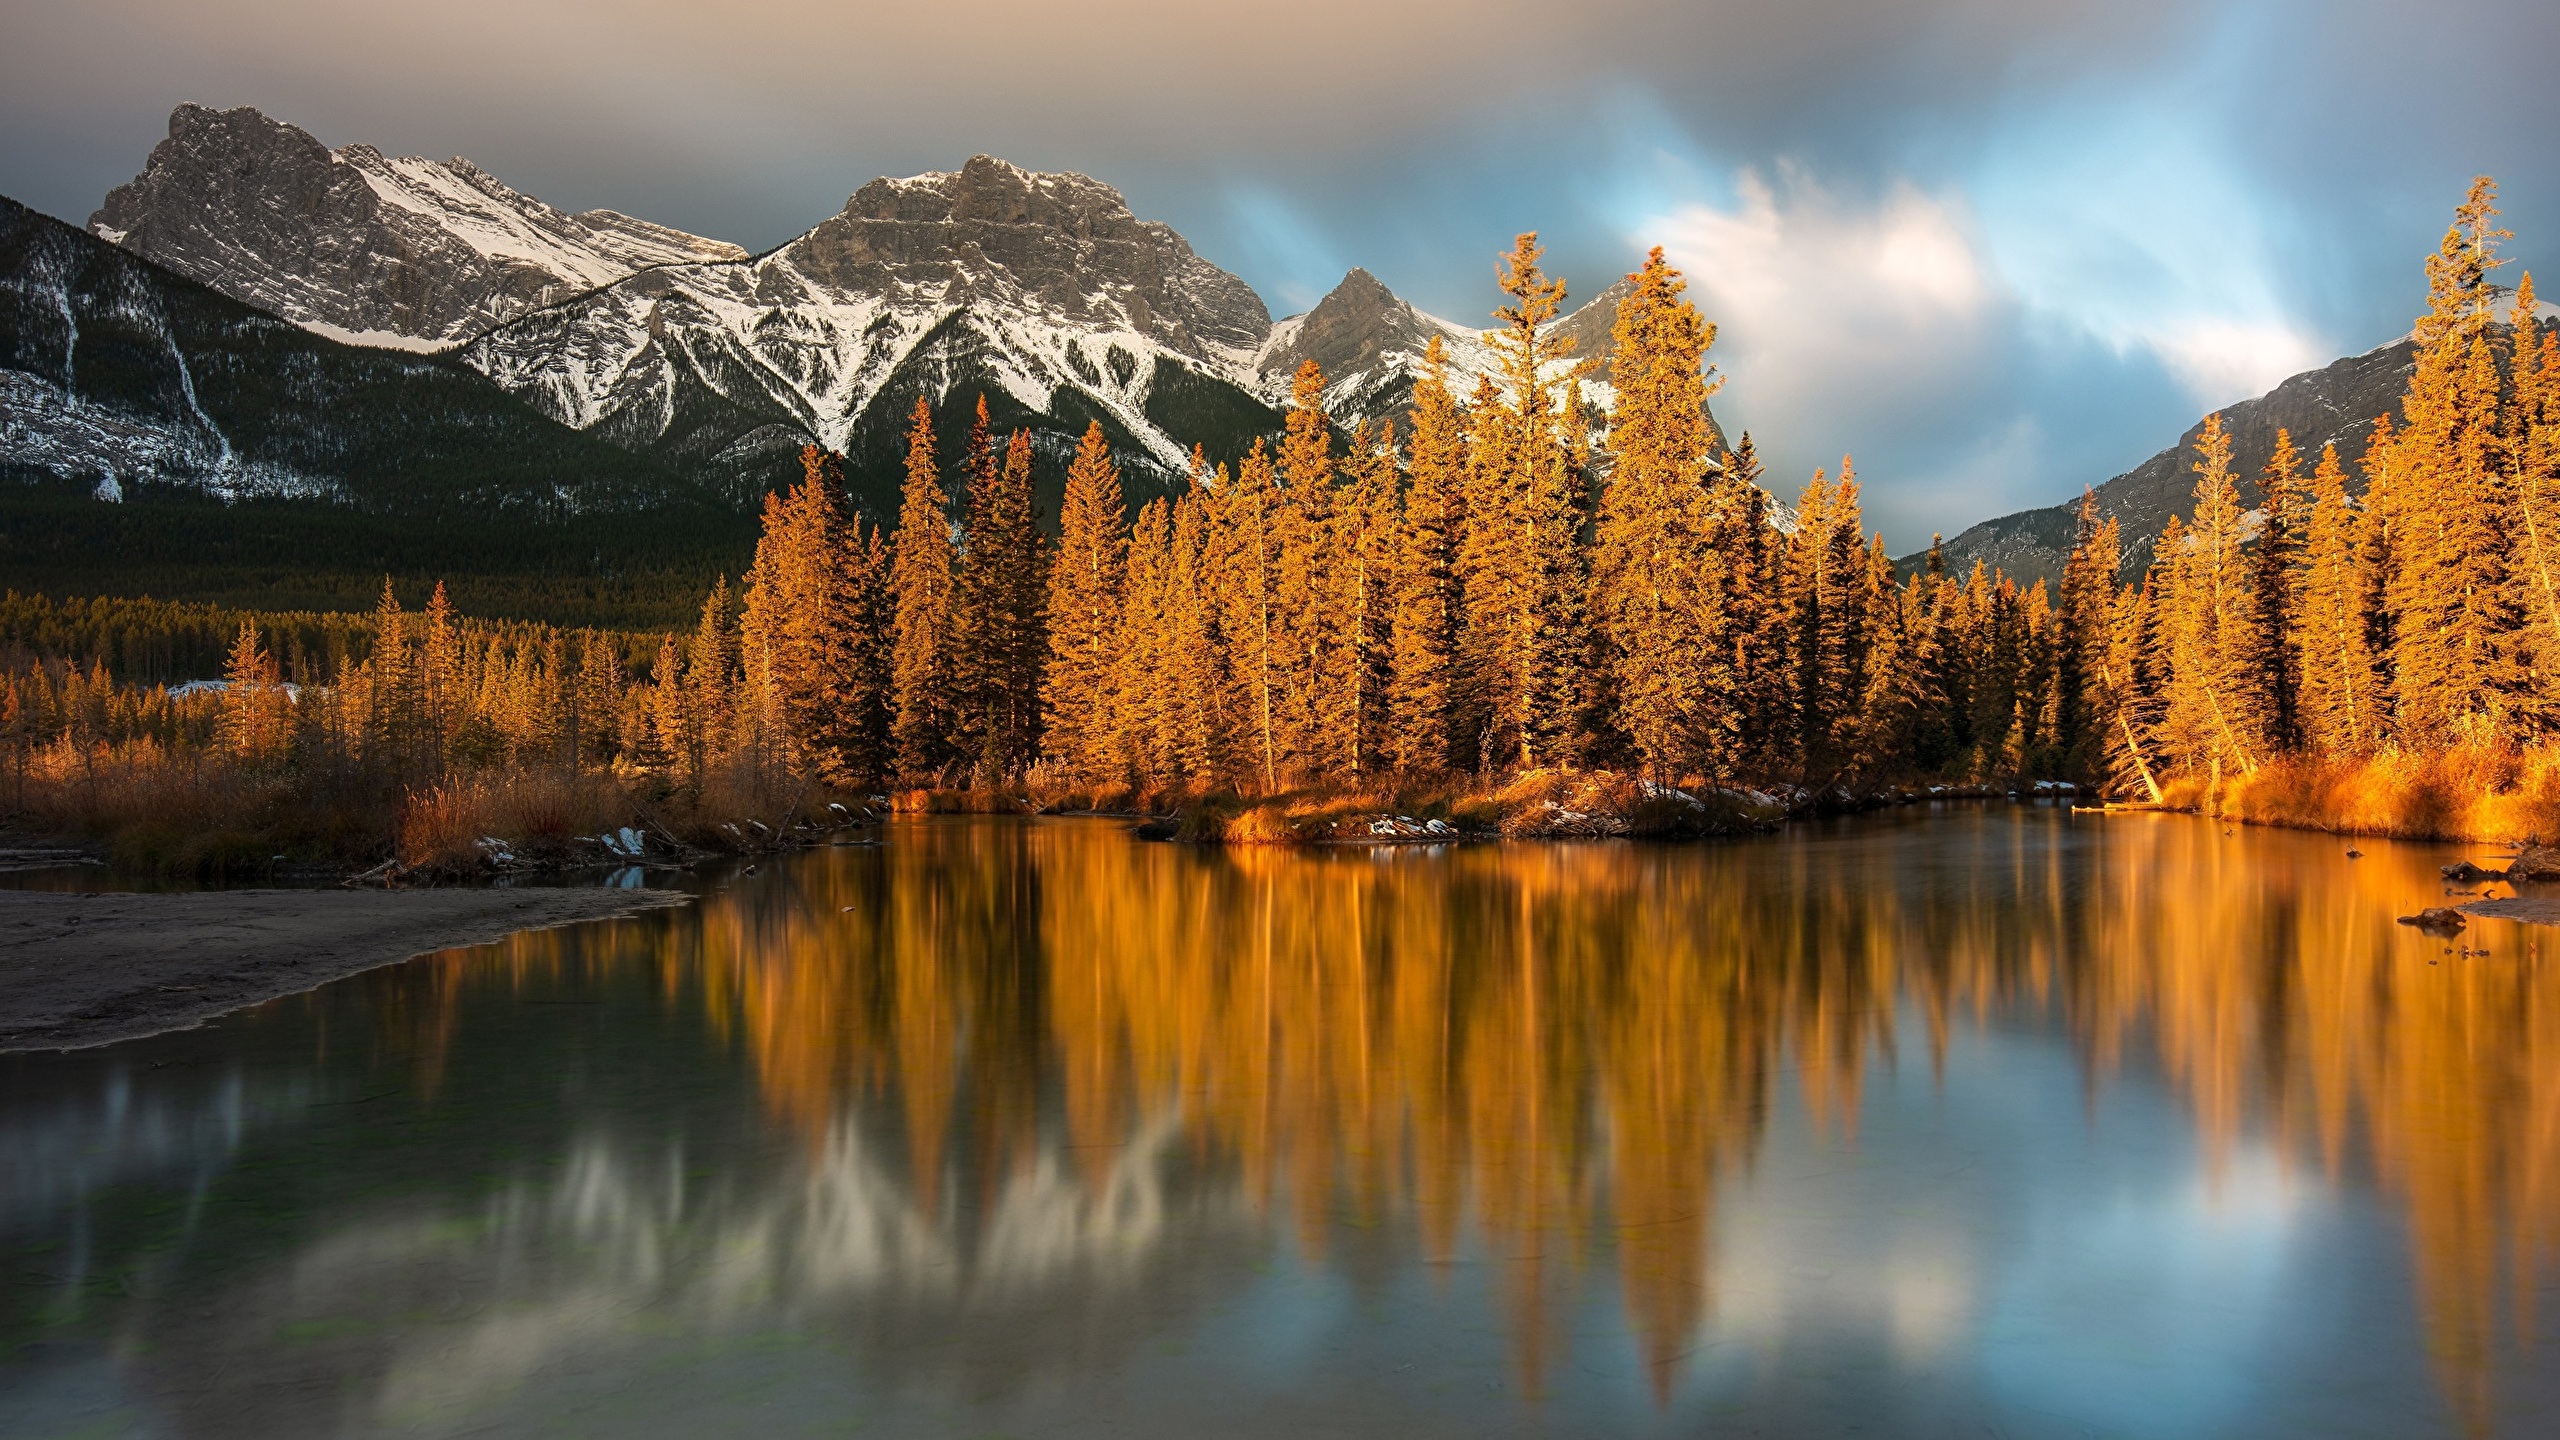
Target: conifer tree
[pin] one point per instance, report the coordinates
(2216, 698)
(393, 724)
(2338, 696)
(1199, 674)
(976, 645)
(1657, 580)
(706, 699)
(2533, 438)
(1525, 576)
(998, 649)
(255, 721)
(2134, 676)
(2456, 671)
(1086, 589)
(1023, 588)
(1245, 555)
(1757, 728)
(2377, 545)
(804, 632)
(1826, 592)
(1489, 565)
(920, 583)
(1371, 523)
(599, 699)
(1306, 674)
(2086, 615)
(440, 689)
(665, 734)
(2275, 585)
(1137, 658)
(1426, 611)
(869, 691)
(1893, 680)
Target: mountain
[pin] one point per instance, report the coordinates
(2334, 404)
(1041, 292)
(407, 252)
(225, 440)
(1370, 345)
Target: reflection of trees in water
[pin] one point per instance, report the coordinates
(2283, 996)
(1563, 1047)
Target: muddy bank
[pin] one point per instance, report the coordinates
(81, 970)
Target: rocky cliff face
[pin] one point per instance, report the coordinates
(1064, 247)
(1370, 345)
(116, 374)
(357, 245)
(1041, 293)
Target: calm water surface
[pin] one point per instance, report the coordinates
(1988, 1122)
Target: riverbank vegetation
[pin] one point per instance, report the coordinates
(2384, 663)
(1560, 603)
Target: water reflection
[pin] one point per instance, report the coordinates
(1922, 1122)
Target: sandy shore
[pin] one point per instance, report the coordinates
(89, 969)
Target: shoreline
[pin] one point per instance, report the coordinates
(86, 969)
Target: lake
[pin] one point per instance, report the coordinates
(1974, 1121)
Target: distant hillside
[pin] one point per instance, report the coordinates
(158, 437)
(2335, 404)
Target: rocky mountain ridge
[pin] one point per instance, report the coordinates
(2335, 404)
(1042, 291)
(405, 252)
(230, 440)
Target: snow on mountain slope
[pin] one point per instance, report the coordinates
(116, 373)
(1371, 346)
(1042, 292)
(362, 247)
(133, 409)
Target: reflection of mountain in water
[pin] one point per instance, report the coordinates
(427, 1313)
(62, 1143)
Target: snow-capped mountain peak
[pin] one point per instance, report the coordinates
(1041, 291)
(358, 245)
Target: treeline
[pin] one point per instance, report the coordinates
(159, 642)
(2420, 618)
(1502, 588)
(411, 692)
(1520, 580)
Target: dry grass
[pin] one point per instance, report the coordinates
(536, 814)
(2481, 793)
(166, 812)
(189, 812)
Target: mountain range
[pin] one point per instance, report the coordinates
(458, 351)
(254, 459)
(1042, 292)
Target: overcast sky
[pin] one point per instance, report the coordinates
(1997, 249)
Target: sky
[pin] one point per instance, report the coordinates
(1996, 250)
